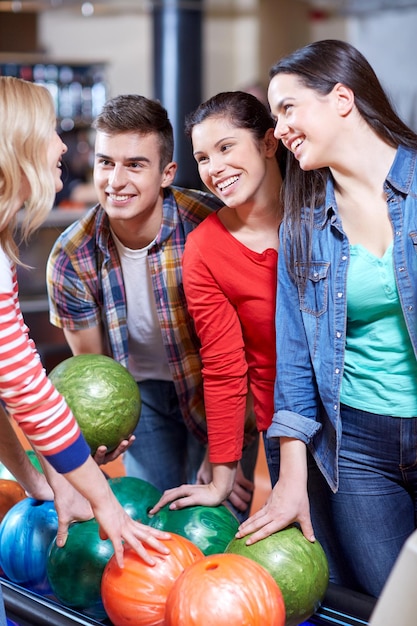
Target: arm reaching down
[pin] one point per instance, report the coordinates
(211, 494)
(288, 501)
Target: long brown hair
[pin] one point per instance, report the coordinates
(320, 66)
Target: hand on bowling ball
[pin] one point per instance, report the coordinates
(102, 457)
(41, 491)
(242, 491)
(211, 494)
(287, 503)
(115, 524)
(70, 504)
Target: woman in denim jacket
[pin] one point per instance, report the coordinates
(346, 387)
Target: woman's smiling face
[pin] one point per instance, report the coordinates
(306, 121)
(56, 149)
(231, 161)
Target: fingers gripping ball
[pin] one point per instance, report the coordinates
(137, 593)
(225, 590)
(299, 567)
(103, 396)
(136, 496)
(75, 570)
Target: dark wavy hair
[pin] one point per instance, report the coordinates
(320, 66)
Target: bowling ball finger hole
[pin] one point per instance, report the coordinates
(211, 566)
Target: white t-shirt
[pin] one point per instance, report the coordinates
(147, 355)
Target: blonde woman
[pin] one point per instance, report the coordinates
(30, 175)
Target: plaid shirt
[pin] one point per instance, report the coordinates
(85, 288)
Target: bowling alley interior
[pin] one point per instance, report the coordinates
(182, 52)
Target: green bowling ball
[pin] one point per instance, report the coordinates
(299, 568)
(74, 571)
(210, 528)
(135, 495)
(103, 396)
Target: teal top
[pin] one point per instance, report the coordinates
(380, 372)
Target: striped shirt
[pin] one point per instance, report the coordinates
(25, 389)
(85, 287)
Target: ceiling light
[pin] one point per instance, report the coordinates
(87, 9)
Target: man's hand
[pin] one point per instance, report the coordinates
(102, 456)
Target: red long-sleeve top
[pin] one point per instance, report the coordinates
(231, 293)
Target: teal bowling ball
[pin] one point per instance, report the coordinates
(75, 570)
(26, 532)
(135, 495)
(299, 568)
(210, 528)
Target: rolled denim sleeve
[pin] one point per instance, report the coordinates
(294, 425)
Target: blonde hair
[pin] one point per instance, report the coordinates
(27, 121)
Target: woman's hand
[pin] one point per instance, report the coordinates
(210, 494)
(39, 488)
(288, 502)
(284, 506)
(189, 495)
(71, 507)
(242, 490)
(116, 525)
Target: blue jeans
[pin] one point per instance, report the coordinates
(272, 457)
(248, 463)
(3, 618)
(165, 453)
(364, 525)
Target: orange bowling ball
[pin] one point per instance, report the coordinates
(225, 590)
(10, 494)
(137, 593)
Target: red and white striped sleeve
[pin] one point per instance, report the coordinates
(26, 391)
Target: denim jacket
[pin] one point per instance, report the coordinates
(311, 327)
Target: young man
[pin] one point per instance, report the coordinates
(115, 287)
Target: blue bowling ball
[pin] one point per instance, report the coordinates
(26, 533)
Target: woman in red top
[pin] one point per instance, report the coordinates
(229, 274)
